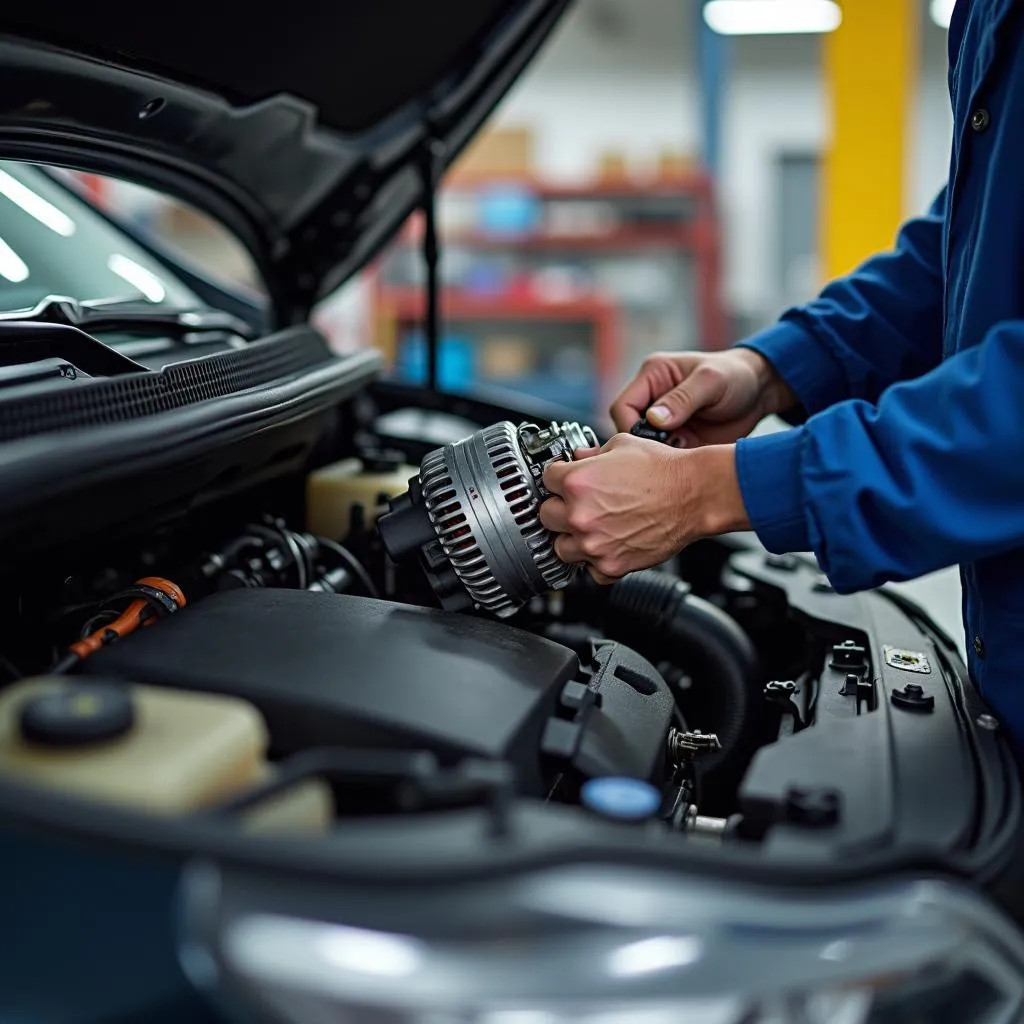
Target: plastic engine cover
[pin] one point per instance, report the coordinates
(330, 669)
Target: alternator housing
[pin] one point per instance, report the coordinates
(474, 513)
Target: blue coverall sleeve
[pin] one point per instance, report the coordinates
(866, 331)
(929, 477)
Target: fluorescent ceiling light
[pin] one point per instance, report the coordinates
(771, 17)
(137, 276)
(12, 266)
(942, 11)
(36, 206)
(660, 953)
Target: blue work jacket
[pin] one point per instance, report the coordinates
(911, 370)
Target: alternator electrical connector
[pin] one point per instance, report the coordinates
(473, 516)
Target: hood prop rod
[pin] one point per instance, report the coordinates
(430, 171)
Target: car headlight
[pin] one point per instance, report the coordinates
(591, 945)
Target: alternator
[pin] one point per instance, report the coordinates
(473, 516)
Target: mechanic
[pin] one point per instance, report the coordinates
(908, 377)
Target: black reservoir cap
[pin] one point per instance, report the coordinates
(78, 715)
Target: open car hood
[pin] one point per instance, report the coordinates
(309, 129)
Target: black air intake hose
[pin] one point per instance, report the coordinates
(655, 614)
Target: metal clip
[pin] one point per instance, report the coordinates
(683, 746)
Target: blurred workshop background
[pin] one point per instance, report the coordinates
(668, 174)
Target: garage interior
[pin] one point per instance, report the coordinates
(668, 174)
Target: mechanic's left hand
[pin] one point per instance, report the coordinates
(635, 503)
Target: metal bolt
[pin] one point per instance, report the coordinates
(701, 824)
(987, 722)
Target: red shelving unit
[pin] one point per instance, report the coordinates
(697, 236)
(637, 262)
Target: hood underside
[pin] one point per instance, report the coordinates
(308, 129)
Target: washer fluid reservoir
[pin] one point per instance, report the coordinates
(151, 749)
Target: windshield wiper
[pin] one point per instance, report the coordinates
(130, 315)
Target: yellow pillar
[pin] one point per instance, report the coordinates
(871, 64)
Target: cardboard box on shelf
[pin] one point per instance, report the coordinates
(673, 165)
(498, 152)
(612, 166)
(506, 357)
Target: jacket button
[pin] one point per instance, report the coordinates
(980, 119)
(979, 647)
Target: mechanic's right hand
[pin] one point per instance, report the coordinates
(703, 397)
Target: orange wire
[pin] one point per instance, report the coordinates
(129, 620)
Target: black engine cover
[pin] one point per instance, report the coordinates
(337, 670)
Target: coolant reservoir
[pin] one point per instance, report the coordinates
(305, 807)
(152, 749)
(333, 491)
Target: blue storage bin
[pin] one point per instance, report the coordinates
(455, 361)
(508, 211)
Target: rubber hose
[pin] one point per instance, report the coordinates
(656, 614)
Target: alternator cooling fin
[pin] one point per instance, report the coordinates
(457, 520)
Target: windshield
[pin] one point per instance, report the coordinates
(54, 243)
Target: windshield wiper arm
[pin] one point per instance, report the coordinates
(128, 314)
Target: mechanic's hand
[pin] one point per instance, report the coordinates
(635, 503)
(703, 397)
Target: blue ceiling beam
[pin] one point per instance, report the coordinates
(712, 52)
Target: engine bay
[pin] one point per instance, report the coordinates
(392, 638)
